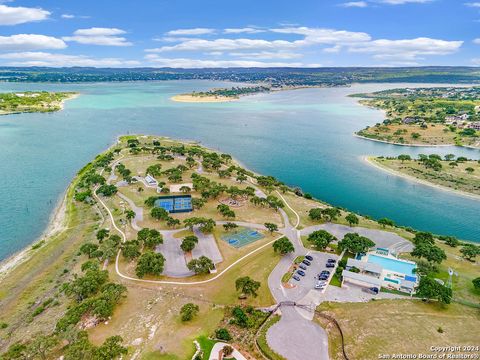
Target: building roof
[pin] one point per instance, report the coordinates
(361, 277)
(365, 266)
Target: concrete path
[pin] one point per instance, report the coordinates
(352, 293)
(381, 238)
(138, 211)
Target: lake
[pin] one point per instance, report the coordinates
(302, 137)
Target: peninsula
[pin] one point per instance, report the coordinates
(168, 242)
(426, 116)
(457, 174)
(33, 101)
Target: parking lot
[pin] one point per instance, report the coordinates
(302, 288)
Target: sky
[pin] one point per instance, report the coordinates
(247, 33)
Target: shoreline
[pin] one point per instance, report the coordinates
(56, 224)
(370, 160)
(412, 145)
(187, 98)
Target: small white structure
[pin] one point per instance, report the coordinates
(150, 181)
(177, 188)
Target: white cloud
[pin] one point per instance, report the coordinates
(358, 4)
(247, 30)
(61, 60)
(262, 55)
(67, 16)
(473, 4)
(476, 61)
(194, 31)
(225, 45)
(197, 63)
(406, 50)
(10, 15)
(311, 36)
(99, 36)
(25, 42)
(477, 41)
(401, 2)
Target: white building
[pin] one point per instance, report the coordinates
(381, 269)
(150, 180)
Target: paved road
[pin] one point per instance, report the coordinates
(297, 338)
(294, 337)
(381, 238)
(138, 212)
(207, 246)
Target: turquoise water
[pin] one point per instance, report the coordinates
(392, 264)
(303, 137)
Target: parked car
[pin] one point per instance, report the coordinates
(372, 290)
(302, 266)
(325, 272)
(331, 261)
(309, 258)
(301, 272)
(319, 284)
(322, 277)
(330, 265)
(306, 262)
(296, 277)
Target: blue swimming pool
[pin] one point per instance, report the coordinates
(394, 265)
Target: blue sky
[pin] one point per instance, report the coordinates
(180, 33)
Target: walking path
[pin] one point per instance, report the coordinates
(214, 355)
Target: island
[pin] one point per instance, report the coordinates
(457, 174)
(425, 116)
(33, 101)
(171, 250)
(221, 94)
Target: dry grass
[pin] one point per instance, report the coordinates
(402, 326)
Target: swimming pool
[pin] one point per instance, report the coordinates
(394, 265)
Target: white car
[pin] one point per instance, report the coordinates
(320, 285)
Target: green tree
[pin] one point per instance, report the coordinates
(202, 265)
(110, 349)
(470, 251)
(159, 213)
(102, 234)
(404, 157)
(271, 227)
(130, 214)
(150, 237)
(227, 350)
(315, 214)
(131, 249)
(189, 311)
(386, 222)
(188, 243)
(223, 334)
(321, 239)
(423, 237)
(107, 190)
(450, 240)
(431, 253)
(352, 219)
(89, 249)
(150, 263)
(331, 213)
(355, 243)
(247, 286)
(476, 283)
(430, 289)
(229, 226)
(283, 246)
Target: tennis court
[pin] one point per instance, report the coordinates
(175, 204)
(242, 237)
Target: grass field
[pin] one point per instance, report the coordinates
(393, 326)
